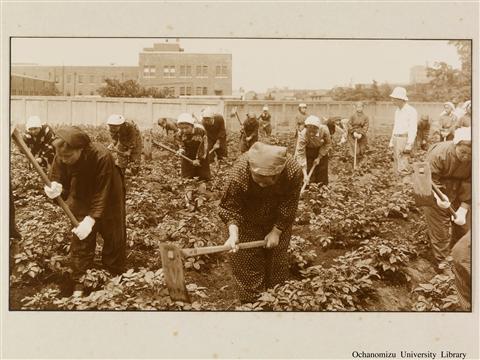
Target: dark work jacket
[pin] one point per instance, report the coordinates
(216, 132)
(93, 185)
(451, 175)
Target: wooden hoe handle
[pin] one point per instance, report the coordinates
(171, 150)
(21, 144)
(221, 248)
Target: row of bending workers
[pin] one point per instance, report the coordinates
(91, 179)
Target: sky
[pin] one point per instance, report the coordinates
(259, 64)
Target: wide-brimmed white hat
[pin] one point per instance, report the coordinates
(399, 93)
(115, 119)
(265, 108)
(302, 105)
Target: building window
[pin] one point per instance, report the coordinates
(69, 79)
(205, 70)
(199, 90)
(204, 92)
(68, 93)
(182, 70)
(56, 79)
(92, 79)
(169, 71)
(199, 70)
(171, 91)
(80, 79)
(218, 70)
(49, 75)
(224, 70)
(148, 71)
(189, 70)
(189, 91)
(182, 90)
(218, 92)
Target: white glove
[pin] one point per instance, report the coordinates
(110, 147)
(441, 203)
(460, 216)
(84, 228)
(180, 152)
(232, 240)
(343, 140)
(55, 190)
(357, 135)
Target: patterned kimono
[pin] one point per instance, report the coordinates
(311, 146)
(41, 145)
(255, 210)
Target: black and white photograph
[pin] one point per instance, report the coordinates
(239, 179)
(185, 174)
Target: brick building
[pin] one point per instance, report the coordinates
(77, 80)
(26, 85)
(166, 66)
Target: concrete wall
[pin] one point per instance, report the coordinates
(95, 111)
(145, 111)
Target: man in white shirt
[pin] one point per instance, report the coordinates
(404, 131)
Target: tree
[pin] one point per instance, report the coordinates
(129, 88)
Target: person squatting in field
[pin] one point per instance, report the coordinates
(260, 202)
(357, 130)
(445, 127)
(265, 121)
(167, 125)
(423, 133)
(451, 168)
(313, 145)
(404, 131)
(39, 139)
(127, 143)
(84, 174)
(214, 125)
(249, 132)
(193, 143)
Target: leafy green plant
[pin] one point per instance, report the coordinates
(438, 294)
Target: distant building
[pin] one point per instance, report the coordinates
(77, 80)
(297, 94)
(166, 66)
(418, 75)
(26, 85)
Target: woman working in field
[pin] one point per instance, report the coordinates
(260, 202)
(312, 148)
